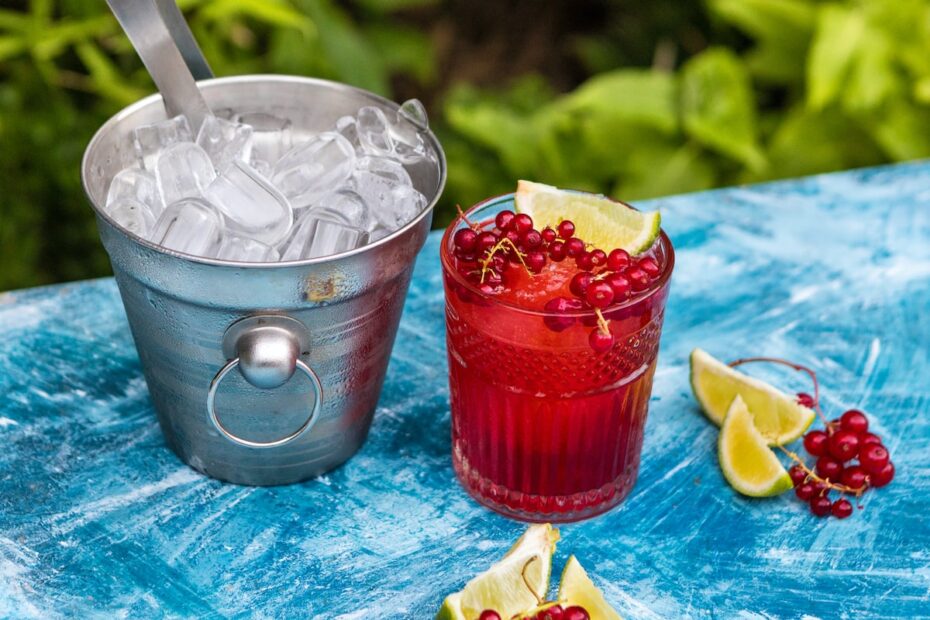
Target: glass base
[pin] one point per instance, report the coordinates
(541, 508)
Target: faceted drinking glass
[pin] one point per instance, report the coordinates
(543, 427)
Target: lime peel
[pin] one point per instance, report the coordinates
(599, 221)
(746, 461)
(777, 416)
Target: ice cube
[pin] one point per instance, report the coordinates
(404, 205)
(315, 237)
(132, 215)
(251, 204)
(414, 112)
(191, 225)
(374, 181)
(246, 250)
(150, 140)
(396, 139)
(343, 206)
(183, 170)
(272, 135)
(347, 128)
(314, 168)
(138, 185)
(225, 141)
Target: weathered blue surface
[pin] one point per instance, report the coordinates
(97, 516)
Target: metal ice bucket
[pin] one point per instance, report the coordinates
(261, 374)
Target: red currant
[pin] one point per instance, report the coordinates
(821, 505)
(854, 477)
(873, 458)
(815, 442)
(485, 241)
(576, 612)
(599, 294)
(504, 219)
(557, 251)
(600, 341)
(566, 229)
(531, 239)
(827, 467)
(882, 477)
(535, 261)
(574, 246)
(650, 266)
(598, 257)
(548, 235)
(618, 259)
(841, 508)
(805, 400)
(522, 223)
(584, 261)
(489, 614)
(798, 475)
(620, 286)
(805, 491)
(843, 445)
(855, 421)
(552, 613)
(638, 278)
(579, 283)
(866, 439)
(557, 322)
(513, 236)
(465, 239)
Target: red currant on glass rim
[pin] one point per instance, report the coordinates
(566, 229)
(504, 219)
(489, 614)
(575, 612)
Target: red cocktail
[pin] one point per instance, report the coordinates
(547, 416)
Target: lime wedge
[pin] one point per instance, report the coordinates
(598, 220)
(502, 588)
(576, 588)
(777, 415)
(747, 462)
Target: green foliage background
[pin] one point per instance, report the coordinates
(768, 89)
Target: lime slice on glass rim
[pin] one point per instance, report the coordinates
(503, 587)
(598, 220)
(778, 416)
(576, 588)
(747, 462)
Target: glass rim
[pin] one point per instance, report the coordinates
(445, 257)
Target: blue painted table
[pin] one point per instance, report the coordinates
(96, 515)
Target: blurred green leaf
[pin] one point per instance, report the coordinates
(873, 77)
(628, 95)
(814, 141)
(404, 50)
(106, 78)
(273, 12)
(389, 6)
(901, 128)
(782, 30)
(718, 106)
(11, 46)
(840, 31)
(353, 59)
(664, 171)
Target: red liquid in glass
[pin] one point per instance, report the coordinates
(543, 427)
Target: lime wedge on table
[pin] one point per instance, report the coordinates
(777, 415)
(502, 587)
(598, 220)
(577, 588)
(748, 464)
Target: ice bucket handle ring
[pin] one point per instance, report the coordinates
(266, 350)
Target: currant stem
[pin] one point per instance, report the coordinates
(841, 488)
(602, 323)
(539, 600)
(486, 261)
(465, 219)
(797, 367)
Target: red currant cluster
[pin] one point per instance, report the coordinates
(603, 279)
(555, 612)
(837, 448)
